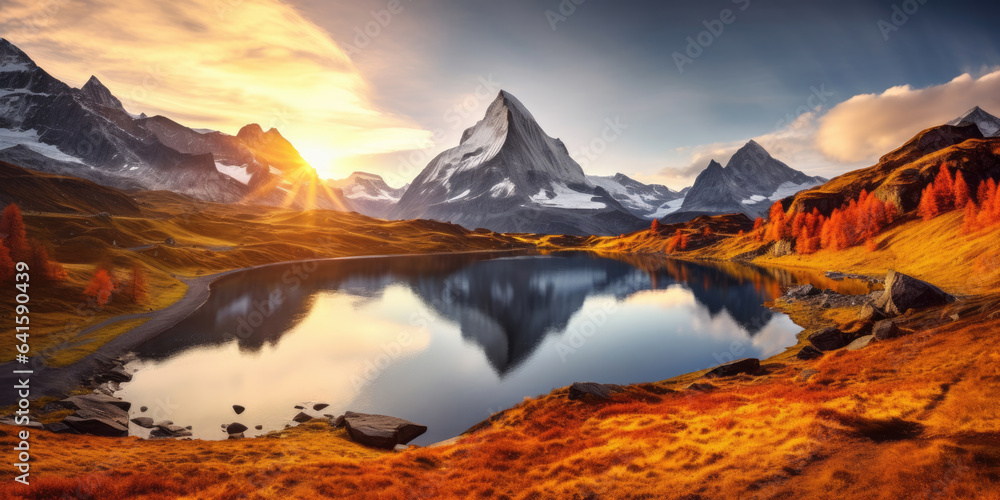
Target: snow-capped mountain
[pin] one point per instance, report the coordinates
(49, 126)
(508, 175)
(750, 183)
(988, 124)
(643, 200)
(369, 194)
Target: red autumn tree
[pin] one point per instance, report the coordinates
(654, 227)
(707, 231)
(16, 239)
(970, 223)
(962, 195)
(944, 188)
(930, 205)
(44, 267)
(777, 227)
(138, 288)
(101, 287)
(6, 265)
(758, 228)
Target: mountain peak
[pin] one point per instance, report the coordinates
(988, 124)
(714, 165)
(10, 54)
(95, 92)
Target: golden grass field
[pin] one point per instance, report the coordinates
(914, 417)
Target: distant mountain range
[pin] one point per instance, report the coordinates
(508, 175)
(369, 194)
(49, 126)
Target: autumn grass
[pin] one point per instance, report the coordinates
(84, 345)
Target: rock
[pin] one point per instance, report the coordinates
(319, 406)
(89, 423)
(189, 427)
(164, 423)
(238, 435)
(401, 447)
(238, 409)
(302, 417)
(32, 424)
(806, 290)
(381, 431)
(59, 428)
(809, 352)
(887, 329)
(829, 339)
(860, 343)
(235, 428)
(870, 313)
(807, 374)
(601, 391)
(745, 365)
(701, 387)
(903, 292)
(169, 242)
(169, 431)
(337, 422)
(116, 374)
(300, 407)
(97, 414)
(91, 400)
(258, 427)
(144, 422)
(143, 409)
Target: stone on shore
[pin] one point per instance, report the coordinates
(745, 365)
(903, 292)
(600, 391)
(381, 431)
(829, 339)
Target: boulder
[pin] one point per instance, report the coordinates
(885, 330)
(337, 422)
(169, 431)
(829, 339)
(235, 428)
(860, 343)
(238, 409)
(144, 422)
(92, 400)
(745, 365)
(116, 374)
(903, 292)
(59, 428)
(302, 417)
(870, 313)
(143, 409)
(88, 423)
(381, 431)
(809, 352)
(258, 427)
(806, 290)
(319, 406)
(600, 391)
(701, 387)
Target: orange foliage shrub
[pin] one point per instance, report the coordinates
(44, 267)
(16, 236)
(679, 241)
(101, 287)
(654, 227)
(850, 225)
(985, 214)
(6, 264)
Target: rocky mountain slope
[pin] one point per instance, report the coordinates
(643, 200)
(49, 126)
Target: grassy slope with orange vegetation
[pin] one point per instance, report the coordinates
(912, 417)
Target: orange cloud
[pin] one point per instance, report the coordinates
(216, 64)
(867, 126)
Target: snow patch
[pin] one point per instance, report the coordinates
(755, 199)
(567, 198)
(29, 138)
(503, 189)
(461, 195)
(666, 209)
(237, 172)
(787, 189)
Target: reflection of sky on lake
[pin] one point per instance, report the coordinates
(448, 348)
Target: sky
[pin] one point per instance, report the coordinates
(652, 89)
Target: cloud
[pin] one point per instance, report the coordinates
(216, 64)
(866, 126)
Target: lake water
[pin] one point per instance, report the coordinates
(447, 340)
